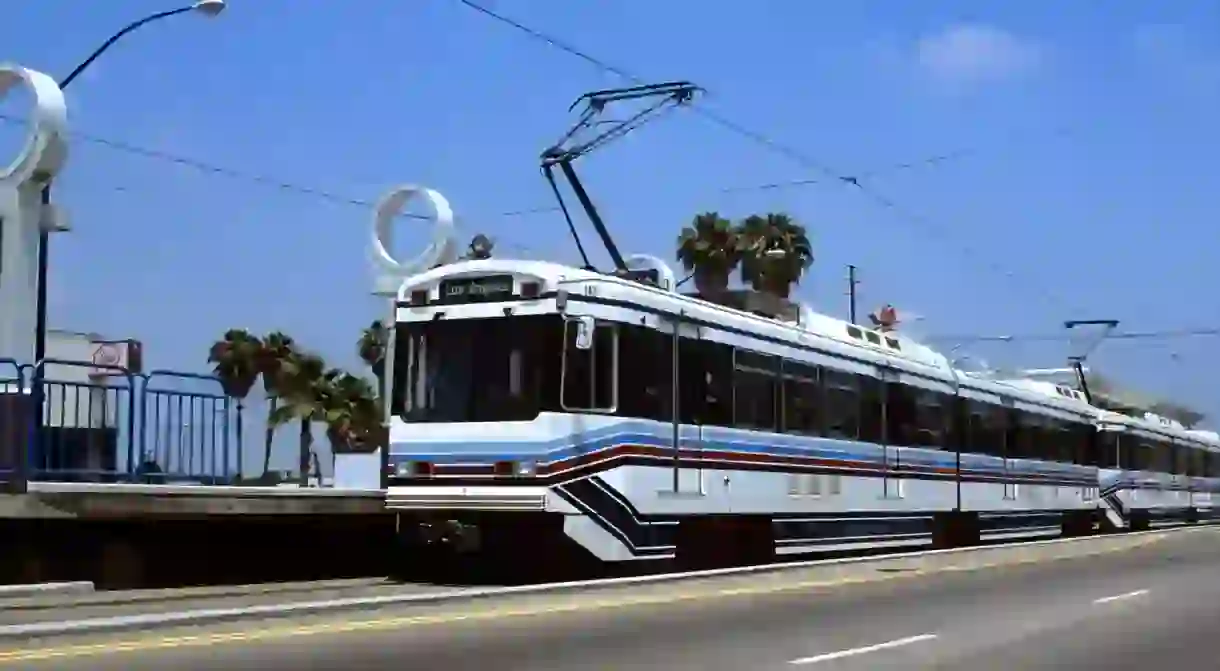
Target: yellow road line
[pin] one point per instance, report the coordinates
(199, 640)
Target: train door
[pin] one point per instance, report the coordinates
(878, 425)
(683, 361)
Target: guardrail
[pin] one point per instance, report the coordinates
(72, 421)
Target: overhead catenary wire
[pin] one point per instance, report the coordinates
(1165, 334)
(330, 195)
(854, 181)
(828, 175)
(269, 181)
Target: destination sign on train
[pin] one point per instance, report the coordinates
(477, 288)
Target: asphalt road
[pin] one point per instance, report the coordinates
(1154, 605)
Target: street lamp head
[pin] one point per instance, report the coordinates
(209, 8)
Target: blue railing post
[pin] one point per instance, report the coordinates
(34, 448)
(225, 437)
(25, 469)
(143, 442)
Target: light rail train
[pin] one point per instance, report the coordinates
(552, 414)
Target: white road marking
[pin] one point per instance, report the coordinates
(1120, 597)
(864, 650)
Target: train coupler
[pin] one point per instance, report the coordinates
(450, 535)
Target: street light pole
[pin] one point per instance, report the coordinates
(209, 8)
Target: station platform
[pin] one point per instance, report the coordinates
(82, 500)
(135, 480)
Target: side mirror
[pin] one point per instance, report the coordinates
(584, 333)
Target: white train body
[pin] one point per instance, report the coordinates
(535, 391)
(1155, 472)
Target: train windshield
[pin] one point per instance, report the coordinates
(477, 370)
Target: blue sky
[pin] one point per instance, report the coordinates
(1088, 189)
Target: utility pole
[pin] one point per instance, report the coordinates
(851, 293)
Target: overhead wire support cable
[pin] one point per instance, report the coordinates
(797, 156)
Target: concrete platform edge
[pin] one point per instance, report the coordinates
(39, 589)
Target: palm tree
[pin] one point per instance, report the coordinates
(368, 404)
(303, 381)
(235, 363)
(374, 341)
(277, 349)
(777, 252)
(352, 413)
(711, 247)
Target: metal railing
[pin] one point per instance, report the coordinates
(13, 432)
(72, 421)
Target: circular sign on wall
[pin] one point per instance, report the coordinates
(108, 355)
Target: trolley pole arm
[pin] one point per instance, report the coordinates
(667, 95)
(595, 217)
(1078, 361)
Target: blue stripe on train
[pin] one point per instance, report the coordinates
(657, 435)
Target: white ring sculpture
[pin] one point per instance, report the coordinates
(22, 214)
(46, 146)
(441, 250)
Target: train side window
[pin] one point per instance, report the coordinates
(975, 424)
(1089, 447)
(1041, 439)
(1163, 460)
(1049, 441)
(987, 429)
(755, 390)
(1213, 465)
(589, 375)
(1198, 463)
(1019, 439)
(931, 419)
(1107, 450)
(1128, 451)
(645, 374)
(872, 409)
(1182, 455)
(1063, 446)
(802, 396)
(717, 388)
(999, 425)
(900, 419)
(1079, 440)
(842, 404)
(1145, 454)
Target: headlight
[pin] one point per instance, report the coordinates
(526, 468)
(404, 469)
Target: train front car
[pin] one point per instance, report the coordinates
(478, 434)
(1155, 473)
